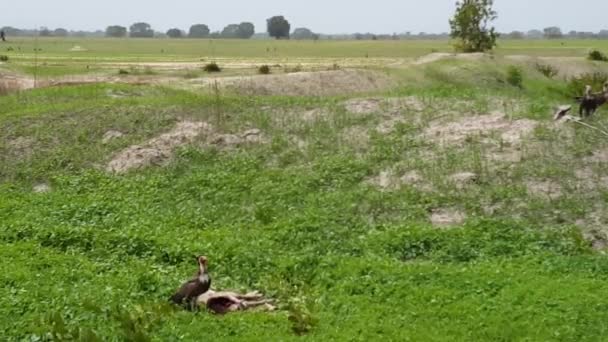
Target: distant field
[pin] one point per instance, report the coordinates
(189, 49)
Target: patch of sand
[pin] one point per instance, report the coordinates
(41, 188)
(111, 135)
(464, 179)
(457, 132)
(157, 150)
(447, 217)
(437, 56)
(544, 188)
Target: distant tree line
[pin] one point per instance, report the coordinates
(278, 27)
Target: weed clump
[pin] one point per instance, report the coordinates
(212, 67)
(264, 70)
(597, 55)
(123, 72)
(577, 84)
(3, 58)
(549, 71)
(515, 76)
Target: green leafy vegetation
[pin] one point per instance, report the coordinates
(597, 55)
(515, 76)
(300, 216)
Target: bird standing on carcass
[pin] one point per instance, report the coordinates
(201, 282)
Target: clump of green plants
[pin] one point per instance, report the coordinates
(597, 55)
(212, 67)
(297, 68)
(576, 85)
(3, 58)
(515, 76)
(123, 72)
(549, 71)
(300, 317)
(264, 70)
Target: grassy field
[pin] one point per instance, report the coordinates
(193, 49)
(332, 212)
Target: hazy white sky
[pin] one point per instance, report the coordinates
(325, 16)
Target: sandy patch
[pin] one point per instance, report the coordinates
(356, 137)
(546, 188)
(388, 180)
(566, 66)
(158, 150)
(22, 146)
(78, 48)
(437, 56)
(110, 136)
(600, 156)
(483, 126)
(447, 217)
(41, 188)
(463, 180)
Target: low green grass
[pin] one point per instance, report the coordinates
(99, 255)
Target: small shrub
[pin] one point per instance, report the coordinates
(264, 70)
(515, 76)
(576, 85)
(596, 55)
(3, 58)
(297, 68)
(123, 72)
(149, 71)
(547, 70)
(212, 67)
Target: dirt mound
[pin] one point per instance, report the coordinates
(437, 56)
(447, 217)
(482, 126)
(566, 66)
(319, 83)
(158, 150)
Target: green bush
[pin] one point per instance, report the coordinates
(3, 58)
(547, 70)
(123, 72)
(212, 67)
(596, 55)
(264, 70)
(576, 85)
(515, 76)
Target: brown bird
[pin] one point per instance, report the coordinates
(199, 284)
(590, 102)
